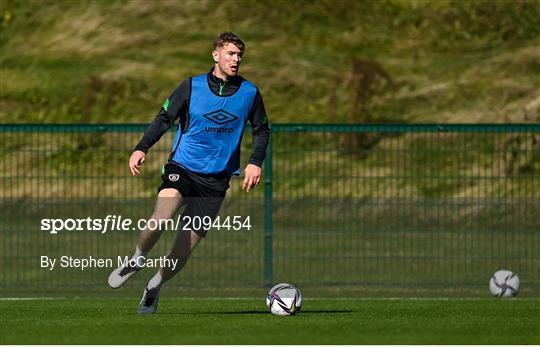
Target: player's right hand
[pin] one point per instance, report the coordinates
(135, 162)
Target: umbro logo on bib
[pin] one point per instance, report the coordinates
(174, 177)
(220, 117)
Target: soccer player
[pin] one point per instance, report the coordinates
(213, 109)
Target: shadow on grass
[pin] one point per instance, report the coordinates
(326, 311)
(254, 312)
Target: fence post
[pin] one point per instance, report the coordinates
(268, 214)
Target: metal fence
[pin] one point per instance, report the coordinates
(406, 210)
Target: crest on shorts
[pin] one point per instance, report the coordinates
(174, 177)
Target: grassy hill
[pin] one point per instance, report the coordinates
(401, 205)
(324, 61)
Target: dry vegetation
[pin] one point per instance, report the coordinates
(323, 62)
(448, 61)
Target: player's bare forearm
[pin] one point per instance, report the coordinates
(252, 177)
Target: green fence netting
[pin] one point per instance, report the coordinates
(365, 210)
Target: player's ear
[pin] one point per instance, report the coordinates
(215, 56)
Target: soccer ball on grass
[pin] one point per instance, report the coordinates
(284, 299)
(504, 284)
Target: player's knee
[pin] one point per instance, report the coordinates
(169, 193)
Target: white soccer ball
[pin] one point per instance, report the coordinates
(284, 299)
(504, 284)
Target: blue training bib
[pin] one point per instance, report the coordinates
(211, 144)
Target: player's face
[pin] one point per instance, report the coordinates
(228, 60)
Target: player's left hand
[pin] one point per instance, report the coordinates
(253, 177)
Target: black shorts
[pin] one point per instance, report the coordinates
(200, 199)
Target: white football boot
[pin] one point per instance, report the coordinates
(120, 275)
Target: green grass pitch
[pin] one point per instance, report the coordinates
(246, 321)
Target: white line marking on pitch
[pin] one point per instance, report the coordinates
(359, 299)
(258, 298)
(27, 299)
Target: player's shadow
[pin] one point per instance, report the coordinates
(243, 312)
(255, 312)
